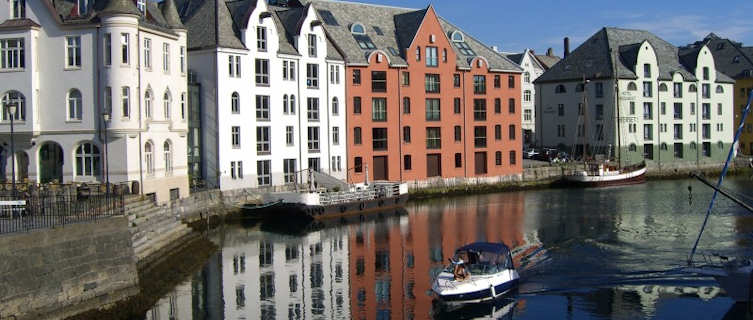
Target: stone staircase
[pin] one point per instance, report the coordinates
(153, 228)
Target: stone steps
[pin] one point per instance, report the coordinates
(152, 227)
(160, 240)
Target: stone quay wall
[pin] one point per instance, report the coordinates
(55, 273)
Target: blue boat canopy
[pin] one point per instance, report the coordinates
(497, 248)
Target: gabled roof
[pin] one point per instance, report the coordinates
(12, 24)
(730, 57)
(611, 52)
(519, 57)
(397, 27)
(547, 61)
(209, 24)
(161, 17)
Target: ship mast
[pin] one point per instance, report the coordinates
(617, 106)
(585, 122)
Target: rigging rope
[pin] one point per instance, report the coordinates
(721, 176)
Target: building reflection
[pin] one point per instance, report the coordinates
(392, 262)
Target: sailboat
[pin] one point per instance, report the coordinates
(603, 173)
(735, 276)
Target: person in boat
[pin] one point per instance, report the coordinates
(459, 271)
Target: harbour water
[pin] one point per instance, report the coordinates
(610, 253)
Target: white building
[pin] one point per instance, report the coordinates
(64, 62)
(674, 107)
(270, 276)
(532, 69)
(273, 92)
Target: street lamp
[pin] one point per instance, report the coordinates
(106, 118)
(12, 112)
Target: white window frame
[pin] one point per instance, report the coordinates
(13, 58)
(168, 157)
(313, 139)
(167, 100)
(73, 52)
(261, 38)
(125, 49)
(235, 103)
(166, 57)
(148, 53)
(262, 108)
(235, 137)
(88, 162)
(18, 9)
(183, 104)
(290, 135)
(125, 100)
(107, 48)
(148, 104)
(263, 140)
(149, 157)
(74, 108)
(336, 136)
(182, 60)
(264, 172)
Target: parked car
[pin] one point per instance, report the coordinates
(529, 153)
(546, 154)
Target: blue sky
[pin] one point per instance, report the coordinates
(516, 25)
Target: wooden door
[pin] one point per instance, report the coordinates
(380, 168)
(433, 165)
(480, 162)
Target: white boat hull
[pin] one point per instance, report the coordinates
(629, 177)
(477, 288)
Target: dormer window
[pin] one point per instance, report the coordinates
(357, 28)
(457, 37)
(18, 9)
(736, 59)
(359, 33)
(141, 5)
(83, 7)
(459, 40)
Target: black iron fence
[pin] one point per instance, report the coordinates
(26, 210)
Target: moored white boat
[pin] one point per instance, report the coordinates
(479, 271)
(602, 175)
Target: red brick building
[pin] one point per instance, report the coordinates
(424, 99)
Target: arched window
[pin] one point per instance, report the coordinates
(168, 158)
(292, 103)
(235, 103)
(633, 147)
(17, 99)
(148, 104)
(285, 104)
(74, 105)
(357, 28)
(580, 87)
(632, 86)
(87, 160)
(167, 99)
(664, 146)
(527, 77)
(335, 106)
(183, 106)
(663, 87)
(693, 88)
(457, 36)
(149, 158)
(560, 89)
(719, 89)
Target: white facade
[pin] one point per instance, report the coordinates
(665, 122)
(69, 75)
(532, 69)
(263, 107)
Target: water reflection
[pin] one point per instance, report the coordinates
(607, 253)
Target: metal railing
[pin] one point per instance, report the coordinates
(24, 211)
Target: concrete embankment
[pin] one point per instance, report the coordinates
(54, 273)
(550, 177)
(158, 229)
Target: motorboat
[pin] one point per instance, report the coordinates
(477, 272)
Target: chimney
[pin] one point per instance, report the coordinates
(549, 52)
(567, 48)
